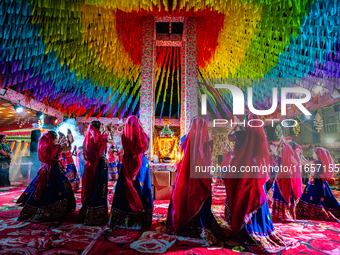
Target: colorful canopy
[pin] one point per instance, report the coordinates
(84, 56)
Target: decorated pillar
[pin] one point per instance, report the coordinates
(189, 86)
(147, 95)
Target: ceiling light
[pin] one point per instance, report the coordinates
(40, 115)
(18, 108)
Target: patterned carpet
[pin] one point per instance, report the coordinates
(68, 237)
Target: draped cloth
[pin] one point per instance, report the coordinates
(47, 151)
(227, 159)
(94, 145)
(297, 176)
(190, 194)
(245, 191)
(284, 180)
(135, 143)
(327, 161)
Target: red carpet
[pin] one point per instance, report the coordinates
(312, 237)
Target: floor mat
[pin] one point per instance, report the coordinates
(69, 237)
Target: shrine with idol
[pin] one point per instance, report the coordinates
(166, 146)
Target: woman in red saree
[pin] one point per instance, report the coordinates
(288, 184)
(94, 183)
(49, 196)
(132, 203)
(190, 207)
(246, 193)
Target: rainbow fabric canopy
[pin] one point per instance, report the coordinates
(84, 57)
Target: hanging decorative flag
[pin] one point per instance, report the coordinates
(318, 122)
(81, 52)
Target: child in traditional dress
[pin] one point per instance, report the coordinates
(113, 170)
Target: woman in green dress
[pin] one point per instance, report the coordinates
(5, 161)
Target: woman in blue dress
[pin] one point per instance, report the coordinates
(247, 206)
(189, 211)
(71, 170)
(49, 196)
(317, 201)
(80, 162)
(94, 183)
(132, 203)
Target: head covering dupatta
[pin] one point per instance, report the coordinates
(94, 145)
(190, 193)
(135, 142)
(47, 152)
